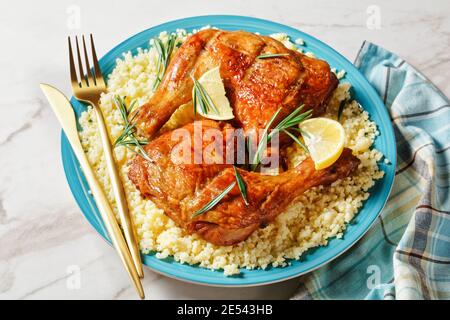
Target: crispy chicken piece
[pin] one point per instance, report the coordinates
(180, 187)
(255, 87)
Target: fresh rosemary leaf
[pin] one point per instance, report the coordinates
(140, 151)
(302, 132)
(341, 108)
(241, 185)
(132, 143)
(164, 52)
(294, 119)
(214, 201)
(131, 108)
(201, 99)
(272, 55)
(296, 140)
(194, 101)
(263, 141)
(128, 138)
(290, 122)
(250, 151)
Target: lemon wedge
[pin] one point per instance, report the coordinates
(213, 85)
(325, 139)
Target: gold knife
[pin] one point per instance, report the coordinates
(66, 116)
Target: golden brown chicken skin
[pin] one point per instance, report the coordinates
(255, 87)
(182, 187)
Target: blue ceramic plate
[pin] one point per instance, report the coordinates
(313, 259)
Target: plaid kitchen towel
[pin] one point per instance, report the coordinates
(406, 253)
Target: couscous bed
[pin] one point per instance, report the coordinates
(314, 217)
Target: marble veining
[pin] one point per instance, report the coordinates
(47, 249)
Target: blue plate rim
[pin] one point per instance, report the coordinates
(161, 266)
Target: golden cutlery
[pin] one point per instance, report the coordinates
(66, 116)
(88, 88)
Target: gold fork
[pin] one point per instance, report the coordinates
(88, 89)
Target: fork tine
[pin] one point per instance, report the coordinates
(98, 73)
(80, 65)
(88, 67)
(73, 72)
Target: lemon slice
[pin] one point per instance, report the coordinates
(213, 85)
(325, 139)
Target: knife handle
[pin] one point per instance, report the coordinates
(110, 222)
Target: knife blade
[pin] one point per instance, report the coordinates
(64, 112)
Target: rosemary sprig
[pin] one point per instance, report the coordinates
(164, 52)
(296, 140)
(341, 108)
(271, 55)
(201, 99)
(128, 137)
(265, 139)
(214, 201)
(241, 185)
(290, 122)
(242, 188)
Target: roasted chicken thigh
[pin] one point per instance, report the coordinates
(256, 87)
(180, 186)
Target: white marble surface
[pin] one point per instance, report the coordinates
(42, 231)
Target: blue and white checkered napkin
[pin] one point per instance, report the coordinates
(406, 253)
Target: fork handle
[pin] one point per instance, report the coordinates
(119, 193)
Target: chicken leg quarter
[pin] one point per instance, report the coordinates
(256, 87)
(181, 188)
